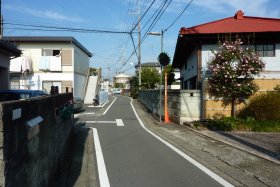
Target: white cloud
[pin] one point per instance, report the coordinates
(48, 14)
(250, 8)
(255, 8)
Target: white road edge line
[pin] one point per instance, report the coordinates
(102, 173)
(119, 122)
(185, 156)
(109, 107)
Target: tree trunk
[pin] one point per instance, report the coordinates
(233, 107)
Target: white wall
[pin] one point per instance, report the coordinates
(36, 80)
(191, 70)
(206, 54)
(81, 66)
(81, 61)
(271, 63)
(79, 83)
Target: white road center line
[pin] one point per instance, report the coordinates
(109, 106)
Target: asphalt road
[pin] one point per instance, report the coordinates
(131, 156)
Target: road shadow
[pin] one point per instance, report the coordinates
(70, 171)
(253, 145)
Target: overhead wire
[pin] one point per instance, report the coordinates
(155, 12)
(67, 28)
(152, 25)
(155, 22)
(161, 9)
(143, 16)
(179, 15)
(126, 23)
(134, 52)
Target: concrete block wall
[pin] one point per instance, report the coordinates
(150, 98)
(183, 105)
(33, 135)
(190, 105)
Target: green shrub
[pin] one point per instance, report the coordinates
(223, 124)
(263, 107)
(249, 124)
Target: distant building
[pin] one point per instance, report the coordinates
(122, 79)
(50, 61)
(7, 51)
(155, 65)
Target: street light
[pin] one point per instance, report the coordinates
(161, 50)
(158, 34)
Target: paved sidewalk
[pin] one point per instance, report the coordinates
(265, 145)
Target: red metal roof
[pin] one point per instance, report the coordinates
(236, 24)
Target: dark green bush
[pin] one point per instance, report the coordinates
(249, 124)
(263, 107)
(223, 124)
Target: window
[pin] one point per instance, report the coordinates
(51, 52)
(15, 81)
(264, 50)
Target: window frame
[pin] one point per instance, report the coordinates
(263, 49)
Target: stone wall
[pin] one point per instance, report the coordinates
(33, 134)
(183, 105)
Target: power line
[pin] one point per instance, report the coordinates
(155, 12)
(160, 12)
(179, 15)
(68, 29)
(143, 15)
(138, 22)
(126, 24)
(156, 19)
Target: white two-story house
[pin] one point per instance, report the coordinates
(50, 61)
(195, 46)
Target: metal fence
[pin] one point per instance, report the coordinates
(102, 97)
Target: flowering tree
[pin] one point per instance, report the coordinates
(233, 68)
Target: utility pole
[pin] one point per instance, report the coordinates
(139, 43)
(123, 55)
(161, 50)
(109, 74)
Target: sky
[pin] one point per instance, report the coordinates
(113, 50)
